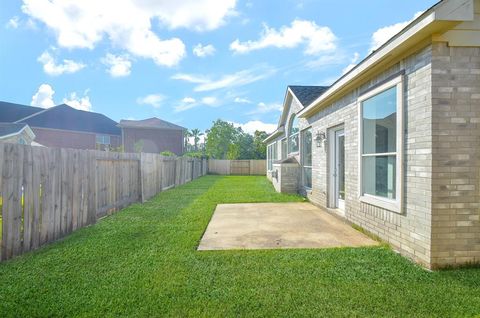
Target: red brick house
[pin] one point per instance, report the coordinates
(152, 135)
(64, 126)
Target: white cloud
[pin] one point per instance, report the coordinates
(119, 65)
(263, 108)
(318, 39)
(240, 78)
(203, 50)
(209, 100)
(80, 103)
(253, 125)
(154, 100)
(241, 100)
(128, 23)
(353, 63)
(190, 102)
(51, 67)
(13, 23)
(383, 34)
(197, 79)
(43, 97)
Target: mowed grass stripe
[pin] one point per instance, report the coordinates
(143, 261)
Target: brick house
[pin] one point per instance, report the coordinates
(64, 126)
(394, 144)
(152, 135)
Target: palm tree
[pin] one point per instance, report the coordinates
(196, 133)
(187, 134)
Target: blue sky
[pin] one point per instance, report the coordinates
(188, 62)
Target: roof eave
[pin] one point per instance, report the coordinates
(434, 20)
(280, 130)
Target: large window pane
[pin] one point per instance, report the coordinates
(307, 147)
(380, 122)
(284, 148)
(307, 177)
(293, 143)
(379, 176)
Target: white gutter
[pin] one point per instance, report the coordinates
(450, 11)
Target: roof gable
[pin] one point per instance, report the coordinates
(152, 123)
(307, 94)
(65, 117)
(10, 128)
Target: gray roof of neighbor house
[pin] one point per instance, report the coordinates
(10, 128)
(307, 94)
(154, 122)
(64, 117)
(10, 112)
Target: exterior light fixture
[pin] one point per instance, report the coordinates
(320, 138)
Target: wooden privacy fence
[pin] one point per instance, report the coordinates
(47, 193)
(237, 167)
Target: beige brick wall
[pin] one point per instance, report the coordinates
(440, 223)
(456, 155)
(409, 231)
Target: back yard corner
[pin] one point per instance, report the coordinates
(143, 262)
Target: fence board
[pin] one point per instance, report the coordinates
(49, 193)
(237, 167)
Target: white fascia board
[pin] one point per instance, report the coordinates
(276, 133)
(459, 10)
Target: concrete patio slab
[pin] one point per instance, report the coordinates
(278, 225)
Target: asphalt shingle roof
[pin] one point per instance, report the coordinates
(153, 122)
(10, 128)
(307, 94)
(10, 112)
(65, 117)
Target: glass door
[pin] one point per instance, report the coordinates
(340, 169)
(336, 184)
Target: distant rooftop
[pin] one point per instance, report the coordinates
(10, 128)
(65, 117)
(307, 94)
(153, 122)
(10, 112)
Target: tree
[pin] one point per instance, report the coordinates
(220, 138)
(186, 135)
(196, 134)
(225, 141)
(259, 146)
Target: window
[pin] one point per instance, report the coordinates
(381, 142)
(271, 155)
(284, 148)
(103, 139)
(307, 157)
(22, 141)
(293, 132)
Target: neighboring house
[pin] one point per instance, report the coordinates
(16, 134)
(152, 135)
(394, 145)
(64, 126)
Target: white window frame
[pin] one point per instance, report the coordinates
(286, 148)
(272, 154)
(302, 159)
(395, 205)
(269, 157)
(103, 137)
(292, 119)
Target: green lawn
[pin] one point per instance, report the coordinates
(143, 262)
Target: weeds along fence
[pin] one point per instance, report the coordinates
(47, 193)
